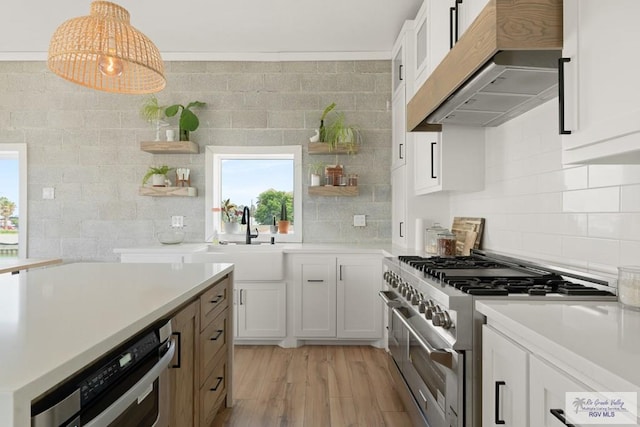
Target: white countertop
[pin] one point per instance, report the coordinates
(599, 341)
(55, 321)
(189, 248)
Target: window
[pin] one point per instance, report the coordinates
(13, 201)
(259, 178)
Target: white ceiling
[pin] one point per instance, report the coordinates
(222, 30)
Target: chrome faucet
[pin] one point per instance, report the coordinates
(246, 219)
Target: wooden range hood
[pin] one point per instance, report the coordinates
(503, 25)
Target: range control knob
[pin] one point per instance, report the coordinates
(429, 309)
(415, 299)
(385, 276)
(422, 307)
(442, 319)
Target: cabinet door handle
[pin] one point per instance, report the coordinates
(178, 336)
(240, 296)
(452, 11)
(217, 300)
(220, 332)
(340, 273)
(401, 151)
(457, 32)
(401, 224)
(497, 403)
(559, 414)
(433, 147)
(561, 62)
(217, 384)
(400, 78)
(315, 280)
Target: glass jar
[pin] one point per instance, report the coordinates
(446, 244)
(629, 286)
(431, 238)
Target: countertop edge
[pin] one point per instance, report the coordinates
(26, 263)
(584, 370)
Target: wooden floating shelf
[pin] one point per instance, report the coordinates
(170, 147)
(324, 148)
(168, 191)
(333, 190)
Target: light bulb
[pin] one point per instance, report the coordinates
(110, 66)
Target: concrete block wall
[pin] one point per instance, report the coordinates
(85, 144)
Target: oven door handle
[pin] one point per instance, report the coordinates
(388, 301)
(134, 393)
(440, 356)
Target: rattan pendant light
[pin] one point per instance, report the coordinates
(104, 52)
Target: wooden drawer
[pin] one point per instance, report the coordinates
(213, 302)
(214, 389)
(212, 340)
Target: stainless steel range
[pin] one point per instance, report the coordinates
(434, 333)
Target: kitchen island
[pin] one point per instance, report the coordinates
(57, 320)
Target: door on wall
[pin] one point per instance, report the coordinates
(13, 201)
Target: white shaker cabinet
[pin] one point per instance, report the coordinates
(399, 207)
(359, 308)
(451, 160)
(504, 381)
(399, 135)
(337, 296)
(314, 288)
(601, 84)
(548, 387)
(260, 309)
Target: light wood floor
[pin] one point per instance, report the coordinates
(313, 386)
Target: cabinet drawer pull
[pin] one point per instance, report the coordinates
(561, 62)
(559, 414)
(220, 332)
(401, 152)
(497, 403)
(315, 280)
(217, 384)
(400, 77)
(433, 149)
(178, 336)
(217, 300)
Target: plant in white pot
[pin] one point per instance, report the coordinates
(158, 175)
(230, 213)
(315, 171)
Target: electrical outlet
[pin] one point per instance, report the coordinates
(359, 220)
(48, 193)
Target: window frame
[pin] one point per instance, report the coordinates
(19, 150)
(214, 154)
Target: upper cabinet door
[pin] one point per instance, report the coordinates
(421, 48)
(468, 11)
(398, 134)
(397, 72)
(601, 108)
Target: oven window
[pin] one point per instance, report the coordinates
(429, 371)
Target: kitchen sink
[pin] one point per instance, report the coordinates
(255, 262)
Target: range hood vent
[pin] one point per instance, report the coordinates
(506, 63)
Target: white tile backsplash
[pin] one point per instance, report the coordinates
(585, 217)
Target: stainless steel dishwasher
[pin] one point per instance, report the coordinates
(126, 387)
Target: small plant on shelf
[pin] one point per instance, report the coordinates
(153, 112)
(188, 121)
(338, 132)
(158, 175)
(315, 173)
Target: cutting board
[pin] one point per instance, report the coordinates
(468, 233)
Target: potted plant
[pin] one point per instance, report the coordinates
(283, 224)
(188, 121)
(315, 169)
(153, 112)
(230, 216)
(158, 175)
(341, 133)
(322, 130)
